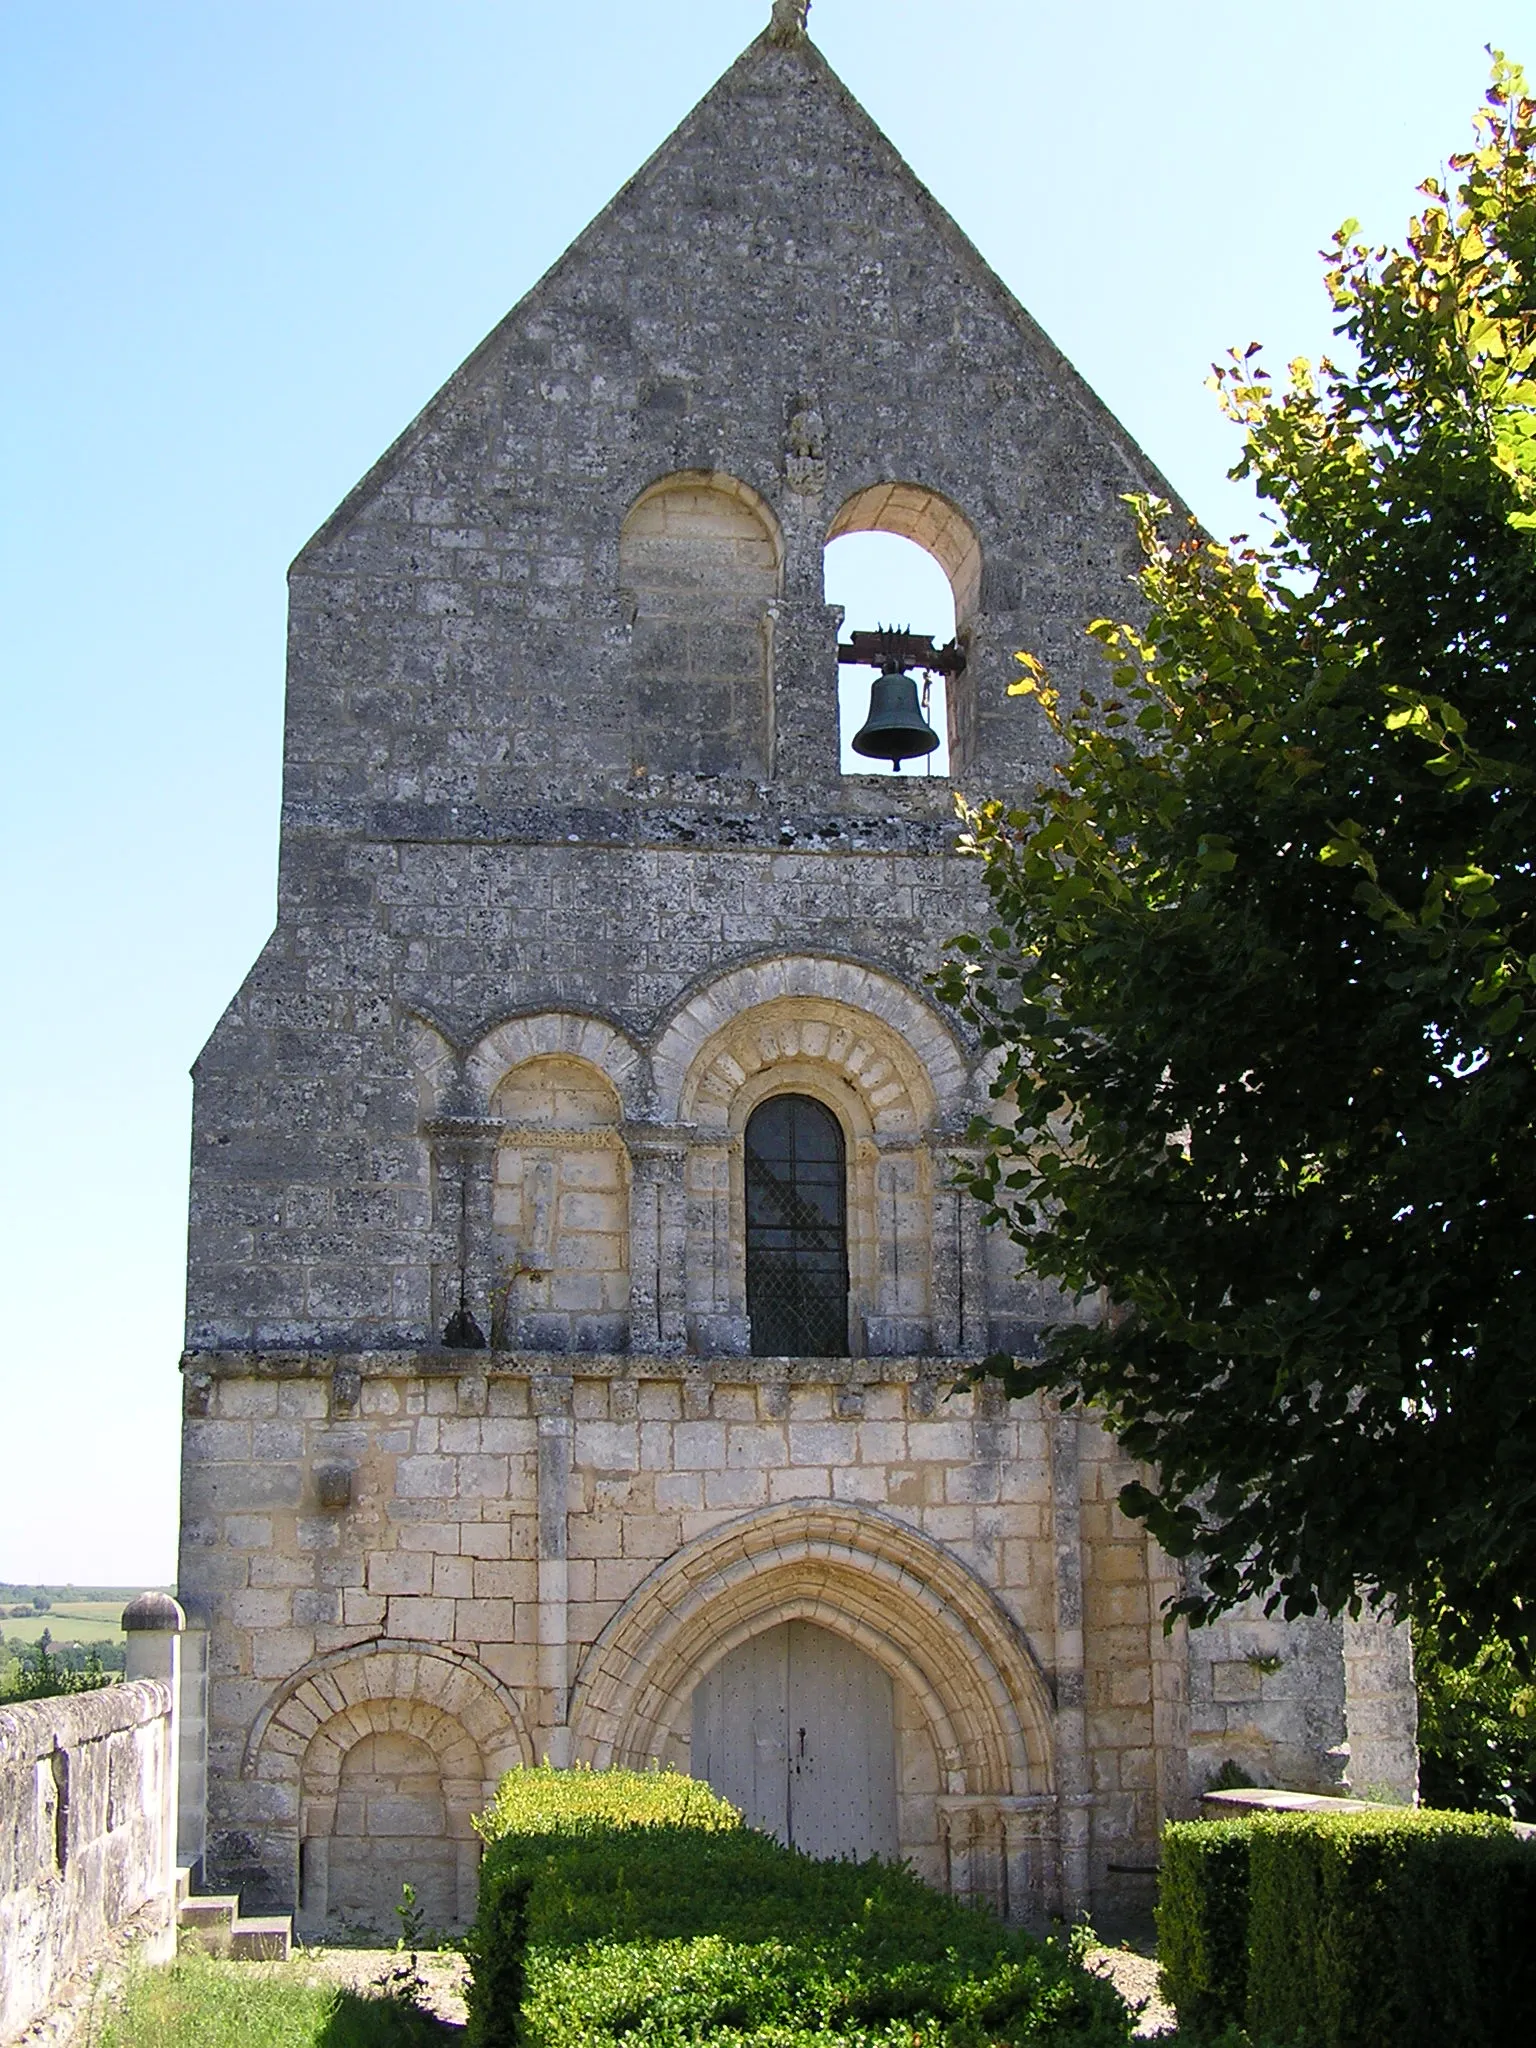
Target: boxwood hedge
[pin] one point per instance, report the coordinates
(651, 1916)
(1384, 1929)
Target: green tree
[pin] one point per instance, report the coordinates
(40, 1675)
(1477, 1726)
(1262, 965)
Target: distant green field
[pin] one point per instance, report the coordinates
(81, 1621)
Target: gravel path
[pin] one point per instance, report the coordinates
(370, 1969)
(1133, 1972)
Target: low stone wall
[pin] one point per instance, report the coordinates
(87, 1838)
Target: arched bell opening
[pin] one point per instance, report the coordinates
(899, 555)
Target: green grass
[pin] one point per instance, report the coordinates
(201, 2003)
(657, 1921)
(82, 1621)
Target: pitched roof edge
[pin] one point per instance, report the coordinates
(943, 221)
(951, 231)
(407, 438)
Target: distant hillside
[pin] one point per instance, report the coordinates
(41, 1598)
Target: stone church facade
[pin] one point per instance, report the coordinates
(584, 942)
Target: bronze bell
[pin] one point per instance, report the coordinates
(895, 729)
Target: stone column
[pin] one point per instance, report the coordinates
(153, 1624)
(959, 1261)
(464, 1260)
(897, 1329)
(716, 1318)
(948, 1274)
(975, 1317)
(552, 1407)
(1381, 1710)
(1072, 1775)
(658, 1230)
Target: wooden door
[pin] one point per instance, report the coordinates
(797, 1728)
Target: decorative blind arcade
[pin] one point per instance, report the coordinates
(797, 1230)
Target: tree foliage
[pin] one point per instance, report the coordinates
(42, 1673)
(1262, 970)
(1477, 1726)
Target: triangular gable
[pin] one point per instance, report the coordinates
(711, 136)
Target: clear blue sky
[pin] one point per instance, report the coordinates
(243, 243)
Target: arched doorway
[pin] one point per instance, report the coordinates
(797, 1230)
(796, 1727)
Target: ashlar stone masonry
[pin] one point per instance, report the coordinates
(593, 1052)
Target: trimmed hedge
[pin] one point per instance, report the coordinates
(546, 1801)
(1202, 1923)
(1336, 1930)
(654, 1919)
(497, 1952)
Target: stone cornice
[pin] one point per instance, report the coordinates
(439, 1364)
(907, 824)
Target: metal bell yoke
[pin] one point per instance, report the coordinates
(896, 729)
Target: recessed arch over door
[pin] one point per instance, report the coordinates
(796, 1171)
(391, 1827)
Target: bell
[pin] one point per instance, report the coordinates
(895, 729)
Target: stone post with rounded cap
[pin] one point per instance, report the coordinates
(154, 1624)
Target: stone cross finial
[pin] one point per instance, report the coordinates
(788, 23)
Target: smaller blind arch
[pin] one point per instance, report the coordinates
(796, 1170)
(700, 556)
(700, 528)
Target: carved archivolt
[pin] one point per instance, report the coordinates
(554, 1032)
(460, 1765)
(888, 1048)
(905, 1601)
(874, 1064)
(387, 1670)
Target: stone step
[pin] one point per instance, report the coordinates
(219, 1928)
(211, 1918)
(263, 1938)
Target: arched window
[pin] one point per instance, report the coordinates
(797, 1230)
